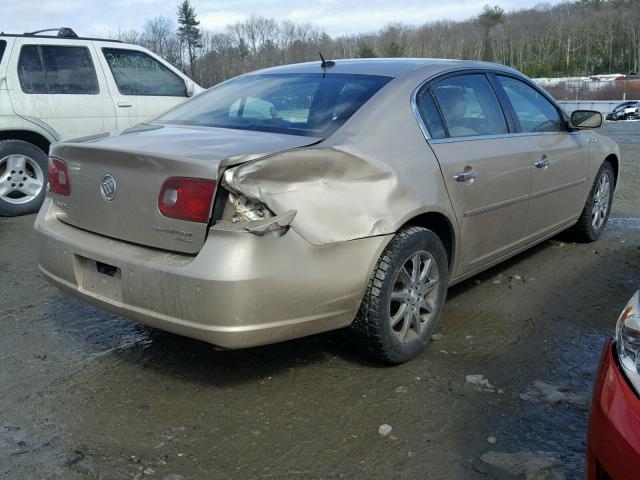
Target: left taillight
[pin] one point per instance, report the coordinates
(59, 181)
(187, 199)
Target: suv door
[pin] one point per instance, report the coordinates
(56, 83)
(143, 85)
(559, 158)
(486, 171)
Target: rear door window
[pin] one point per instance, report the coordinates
(469, 106)
(534, 112)
(3, 46)
(49, 69)
(137, 73)
(430, 114)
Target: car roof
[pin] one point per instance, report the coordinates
(391, 67)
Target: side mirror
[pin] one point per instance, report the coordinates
(585, 119)
(190, 88)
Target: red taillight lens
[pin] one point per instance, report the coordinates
(187, 199)
(59, 177)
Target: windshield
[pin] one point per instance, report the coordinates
(296, 104)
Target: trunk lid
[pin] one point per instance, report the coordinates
(140, 161)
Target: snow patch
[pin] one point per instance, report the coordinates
(481, 383)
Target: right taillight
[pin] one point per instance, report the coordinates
(59, 177)
(187, 199)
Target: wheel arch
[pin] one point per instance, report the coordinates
(35, 138)
(615, 164)
(442, 226)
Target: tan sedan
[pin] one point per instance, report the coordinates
(311, 197)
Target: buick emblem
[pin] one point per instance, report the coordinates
(108, 187)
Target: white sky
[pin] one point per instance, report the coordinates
(101, 17)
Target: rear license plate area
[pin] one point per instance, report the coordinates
(100, 279)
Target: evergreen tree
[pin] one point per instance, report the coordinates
(188, 32)
(365, 51)
(489, 18)
(394, 49)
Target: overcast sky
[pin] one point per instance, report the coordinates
(102, 17)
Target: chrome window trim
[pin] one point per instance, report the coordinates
(493, 137)
(495, 71)
(416, 113)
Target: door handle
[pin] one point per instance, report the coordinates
(465, 176)
(125, 104)
(544, 162)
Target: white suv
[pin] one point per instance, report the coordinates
(55, 88)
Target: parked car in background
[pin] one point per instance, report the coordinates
(55, 88)
(613, 446)
(310, 197)
(625, 111)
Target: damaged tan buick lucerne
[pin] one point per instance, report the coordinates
(310, 197)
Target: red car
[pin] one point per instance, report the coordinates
(613, 445)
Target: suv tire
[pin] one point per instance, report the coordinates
(23, 177)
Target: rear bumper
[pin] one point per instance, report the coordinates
(240, 290)
(613, 445)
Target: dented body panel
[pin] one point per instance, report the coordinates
(140, 161)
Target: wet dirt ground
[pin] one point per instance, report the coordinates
(86, 394)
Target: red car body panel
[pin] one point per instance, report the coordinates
(613, 445)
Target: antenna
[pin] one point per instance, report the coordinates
(325, 65)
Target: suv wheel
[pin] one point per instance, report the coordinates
(23, 177)
(596, 211)
(405, 296)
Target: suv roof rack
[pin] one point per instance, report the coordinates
(62, 32)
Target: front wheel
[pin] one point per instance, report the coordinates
(596, 211)
(405, 297)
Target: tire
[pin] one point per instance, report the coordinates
(393, 274)
(23, 178)
(589, 228)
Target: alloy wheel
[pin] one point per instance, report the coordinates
(21, 179)
(414, 296)
(601, 202)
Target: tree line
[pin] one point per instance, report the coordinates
(574, 38)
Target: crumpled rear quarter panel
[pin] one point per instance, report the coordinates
(368, 178)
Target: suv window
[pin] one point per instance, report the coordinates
(137, 73)
(53, 69)
(469, 106)
(534, 112)
(3, 45)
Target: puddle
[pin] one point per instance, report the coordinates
(534, 466)
(630, 223)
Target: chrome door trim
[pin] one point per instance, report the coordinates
(557, 188)
(524, 198)
(495, 206)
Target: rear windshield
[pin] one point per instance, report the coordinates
(296, 104)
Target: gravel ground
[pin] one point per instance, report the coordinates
(502, 392)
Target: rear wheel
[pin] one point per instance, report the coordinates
(596, 211)
(23, 177)
(405, 297)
